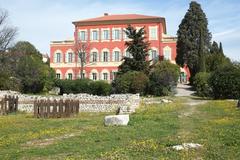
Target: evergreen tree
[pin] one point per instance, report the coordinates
(188, 42)
(217, 58)
(214, 48)
(220, 48)
(202, 60)
(138, 48)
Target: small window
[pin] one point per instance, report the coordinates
(70, 76)
(105, 56)
(58, 57)
(94, 56)
(83, 75)
(167, 53)
(83, 35)
(58, 76)
(116, 56)
(105, 35)
(95, 35)
(105, 76)
(70, 57)
(153, 33)
(153, 55)
(116, 34)
(94, 76)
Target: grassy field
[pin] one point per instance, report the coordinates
(151, 133)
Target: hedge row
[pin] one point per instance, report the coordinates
(84, 86)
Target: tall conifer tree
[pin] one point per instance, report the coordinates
(193, 23)
(138, 48)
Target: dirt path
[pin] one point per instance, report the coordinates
(184, 90)
(186, 117)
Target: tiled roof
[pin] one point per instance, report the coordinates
(117, 17)
(121, 19)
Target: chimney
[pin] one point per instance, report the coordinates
(105, 14)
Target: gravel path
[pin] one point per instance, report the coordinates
(184, 90)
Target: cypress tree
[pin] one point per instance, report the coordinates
(188, 42)
(214, 48)
(221, 49)
(138, 48)
(202, 59)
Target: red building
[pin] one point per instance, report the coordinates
(106, 45)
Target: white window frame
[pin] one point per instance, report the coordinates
(102, 35)
(105, 76)
(114, 36)
(86, 35)
(102, 75)
(151, 37)
(94, 50)
(125, 38)
(58, 52)
(114, 56)
(95, 40)
(94, 76)
(150, 57)
(68, 76)
(84, 74)
(102, 55)
(169, 56)
(114, 73)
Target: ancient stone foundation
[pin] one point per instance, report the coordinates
(87, 103)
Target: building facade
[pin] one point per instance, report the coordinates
(106, 39)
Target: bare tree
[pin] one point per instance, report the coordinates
(7, 32)
(82, 52)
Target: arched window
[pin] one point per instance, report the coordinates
(58, 74)
(167, 53)
(94, 55)
(105, 75)
(84, 74)
(153, 54)
(69, 57)
(105, 55)
(58, 57)
(116, 55)
(69, 74)
(94, 75)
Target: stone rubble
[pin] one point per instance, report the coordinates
(186, 146)
(156, 101)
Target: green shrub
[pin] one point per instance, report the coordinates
(9, 83)
(200, 82)
(83, 86)
(100, 88)
(163, 78)
(131, 82)
(225, 82)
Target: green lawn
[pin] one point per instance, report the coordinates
(151, 133)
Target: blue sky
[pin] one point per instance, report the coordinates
(41, 21)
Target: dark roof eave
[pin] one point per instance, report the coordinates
(127, 21)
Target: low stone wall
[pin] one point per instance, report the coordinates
(88, 103)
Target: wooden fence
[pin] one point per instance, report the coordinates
(8, 104)
(55, 108)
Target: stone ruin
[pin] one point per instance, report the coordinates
(88, 103)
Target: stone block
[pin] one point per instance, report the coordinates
(118, 120)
